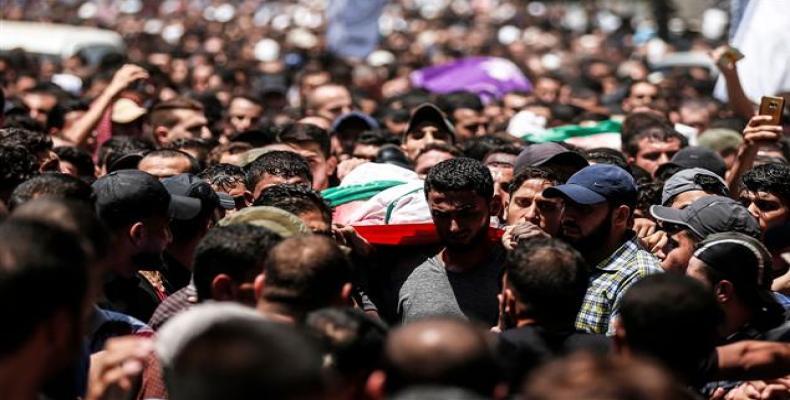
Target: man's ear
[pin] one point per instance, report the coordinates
(374, 387)
(137, 234)
(619, 338)
(331, 164)
(160, 134)
(53, 330)
(248, 198)
(345, 294)
(724, 291)
(621, 215)
(258, 285)
(223, 288)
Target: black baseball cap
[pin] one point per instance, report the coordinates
(596, 184)
(709, 215)
(431, 113)
(696, 157)
(189, 185)
(742, 260)
(130, 195)
(738, 256)
(539, 154)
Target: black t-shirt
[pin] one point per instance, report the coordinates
(176, 275)
(133, 296)
(523, 349)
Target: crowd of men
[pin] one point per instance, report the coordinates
(169, 228)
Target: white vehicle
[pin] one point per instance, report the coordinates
(59, 40)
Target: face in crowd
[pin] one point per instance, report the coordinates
(654, 151)
(527, 203)
(461, 217)
(422, 134)
(243, 114)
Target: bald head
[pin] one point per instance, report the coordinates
(440, 352)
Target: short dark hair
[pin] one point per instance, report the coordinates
(223, 175)
(52, 184)
(295, 199)
(200, 146)
(305, 273)
(638, 82)
(377, 137)
(72, 216)
(118, 146)
(232, 359)
(33, 141)
(78, 157)
(528, 173)
(773, 178)
(457, 100)
(605, 155)
(305, 133)
(460, 174)
(673, 319)
(354, 340)
(17, 165)
(215, 155)
(15, 118)
(42, 270)
(286, 164)
(236, 250)
(162, 113)
(194, 164)
(550, 278)
(511, 149)
(648, 194)
(663, 132)
(478, 146)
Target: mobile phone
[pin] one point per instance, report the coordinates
(773, 107)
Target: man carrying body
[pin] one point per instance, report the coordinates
(464, 278)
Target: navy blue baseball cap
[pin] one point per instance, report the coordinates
(596, 184)
(354, 117)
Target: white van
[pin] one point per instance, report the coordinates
(59, 40)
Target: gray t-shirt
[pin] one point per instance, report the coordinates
(431, 290)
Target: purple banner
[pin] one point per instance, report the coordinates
(489, 77)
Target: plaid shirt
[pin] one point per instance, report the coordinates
(177, 302)
(609, 280)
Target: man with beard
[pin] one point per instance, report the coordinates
(137, 208)
(463, 280)
(599, 202)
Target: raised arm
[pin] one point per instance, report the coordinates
(79, 132)
(741, 104)
(754, 135)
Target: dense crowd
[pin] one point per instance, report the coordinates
(228, 210)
